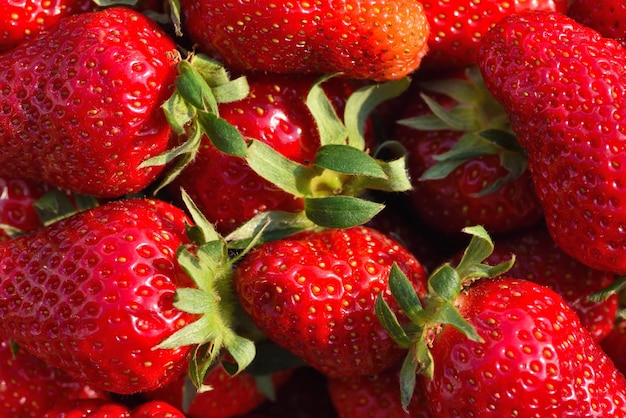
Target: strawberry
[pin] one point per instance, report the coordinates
(275, 113)
(229, 395)
(460, 175)
(375, 396)
(156, 409)
(499, 346)
(608, 19)
(23, 20)
(89, 408)
(313, 293)
(380, 40)
(17, 211)
(457, 27)
(30, 386)
(539, 259)
(531, 63)
(81, 104)
(614, 344)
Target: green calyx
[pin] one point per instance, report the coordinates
(482, 124)
(207, 261)
(435, 309)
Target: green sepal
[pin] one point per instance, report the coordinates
(340, 211)
(394, 166)
(232, 90)
(56, 205)
(189, 147)
(363, 101)
(212, 71)
(196, 333)
(178, 112)
(194, 89)
(268, 226)
(202, 231)
(348, 160)
(389, 320)
(175, 16)
(404, 293)
(331, 128)
(617, 286)
(415, 362)
(279, 170)
(222, 134)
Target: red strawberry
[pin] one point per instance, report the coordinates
(532, 63)
(539, 259)
(157, 409)
(535, 359)
(376, 396)
(461, 178)
(380, 40)
(82, 104)
(457, 27)
(500, 346)
(614, 345)
(23, 20)
(17, 213)
(275, 113)
(92, 294)
(28, 386)
(313, 293)
(607, 18)
(92, 408)
(228, 395)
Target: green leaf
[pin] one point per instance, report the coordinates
(448, 314)
(404, 293)
(175, 16)
(212, 71)
(178, 112)
(458, 118)
(445, 283)
(479, 248)
(197, 332)
(222, 134)
(232, 91)
(268, 226)
(54, 206)
(194, 301)
(614, 288)
(194, 89)
(189, 147)
(361, 103)
(340, 211)
(331, 128)
(241, 349)
(389, 321)
(461, 91)
(201, 222)
(394, 166)
(408, 373)
(428, 122)
(347, 160)
(278, 169)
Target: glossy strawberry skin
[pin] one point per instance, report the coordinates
(93, 294)
(30, 386)
(81, 105)
(23, 20)
(607, 18)
(378, 40)
(540, 260)
(314, 294)
(536, 359)
(275, 113)
(89, 408)
(457, 27)
(573, 141)
(17, 197)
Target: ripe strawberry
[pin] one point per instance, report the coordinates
(539, 259)
(500, 346)
(460, 178)
(17, 213)
(81, 104)
(229, 395)
(157, 409)
(23, 20)
(380, 40)
(532, 62)
(313, 293)
(92, 408)
(535, 359)
(607, 18)
(29, 386)
(275, 113)
(614, 345)
(457, 27)
(375, 396)
(92, 294)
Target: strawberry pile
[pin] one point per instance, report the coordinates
(248, 208)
